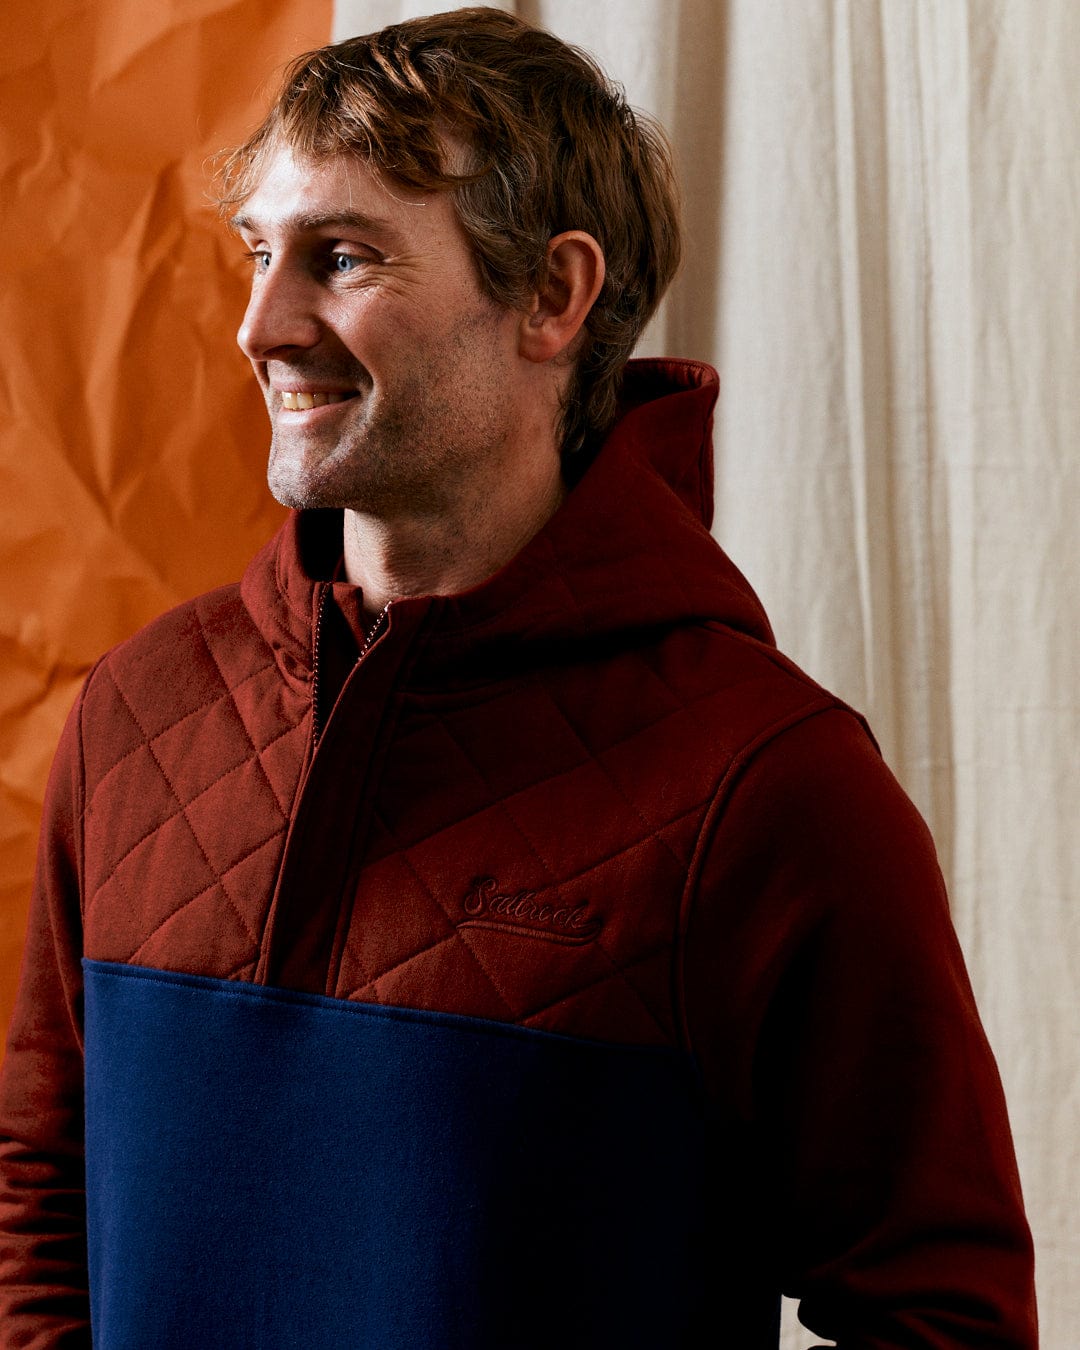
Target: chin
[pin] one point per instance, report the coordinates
(303, 484)
(301, 492)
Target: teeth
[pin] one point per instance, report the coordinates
(297, 402)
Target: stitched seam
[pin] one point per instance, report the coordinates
(284, 807)
(619, 971)
(382, 740)
(710, 827)
(182, 808)
(504, 803)
(632, 846)
(146, 740)
(192, 712)
(572, 878)
(599, 943)
(145, 745)
(194, 835)
(598, 980)
(369, 978)
(351, 1007)
(366, 978)
(593, 865)
(456, 933)
(239, 713)
(206, 890)
(684, 707)
(652, 831)
(399, 965)
(79, 816)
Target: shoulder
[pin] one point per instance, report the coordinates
(219, 638)
(812, 793)
(806, 807)
(176, 648)
(187, 660)
(743, 694)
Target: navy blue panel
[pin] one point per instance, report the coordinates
(267, 1169)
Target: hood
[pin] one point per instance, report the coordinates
(628, 551)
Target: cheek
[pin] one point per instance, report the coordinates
(363, 320)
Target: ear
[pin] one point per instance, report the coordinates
(574, 277)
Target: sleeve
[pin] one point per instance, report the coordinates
(43, 1271)
(827, 1002)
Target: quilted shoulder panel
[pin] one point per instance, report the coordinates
(193, 747)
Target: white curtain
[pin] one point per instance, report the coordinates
(883, 205)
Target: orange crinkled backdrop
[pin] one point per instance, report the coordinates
(133, 437)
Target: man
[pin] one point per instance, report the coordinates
(469, 931)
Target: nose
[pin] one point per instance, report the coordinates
(280, 314)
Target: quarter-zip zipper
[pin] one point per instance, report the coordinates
(373, 634)
(375, 631)
(316, 729)
(311, 908)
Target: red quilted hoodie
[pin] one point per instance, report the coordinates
(565, 969)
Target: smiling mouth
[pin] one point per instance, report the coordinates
(295, 401)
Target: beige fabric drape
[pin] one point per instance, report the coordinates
(883, 199)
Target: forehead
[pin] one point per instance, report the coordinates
(296, 194)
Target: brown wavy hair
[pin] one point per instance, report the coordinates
(550, 145)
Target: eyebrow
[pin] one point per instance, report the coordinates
(312, 222)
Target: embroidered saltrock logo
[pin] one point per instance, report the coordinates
(528, 914)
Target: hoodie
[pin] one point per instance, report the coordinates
(556, 964)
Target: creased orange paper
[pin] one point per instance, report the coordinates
(133, 439)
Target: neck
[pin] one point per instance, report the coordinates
(416, 554)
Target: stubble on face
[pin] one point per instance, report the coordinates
(410, 446)
(367, 298)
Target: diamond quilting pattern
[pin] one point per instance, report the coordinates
(128, 906)
(416, 793)
(396, 919)
(186, 816)
(622, 889)
(605, 826)
(431, 968)
(210, 920)
(592, 1007)
(223, 832)
(535, 740)
(541, 816)
(503, 810)
(517, 850)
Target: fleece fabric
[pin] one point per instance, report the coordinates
(385, 1127)
(576, 856)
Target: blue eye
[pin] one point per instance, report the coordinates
(345, 262)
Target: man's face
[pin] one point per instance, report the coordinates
(390, 378)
